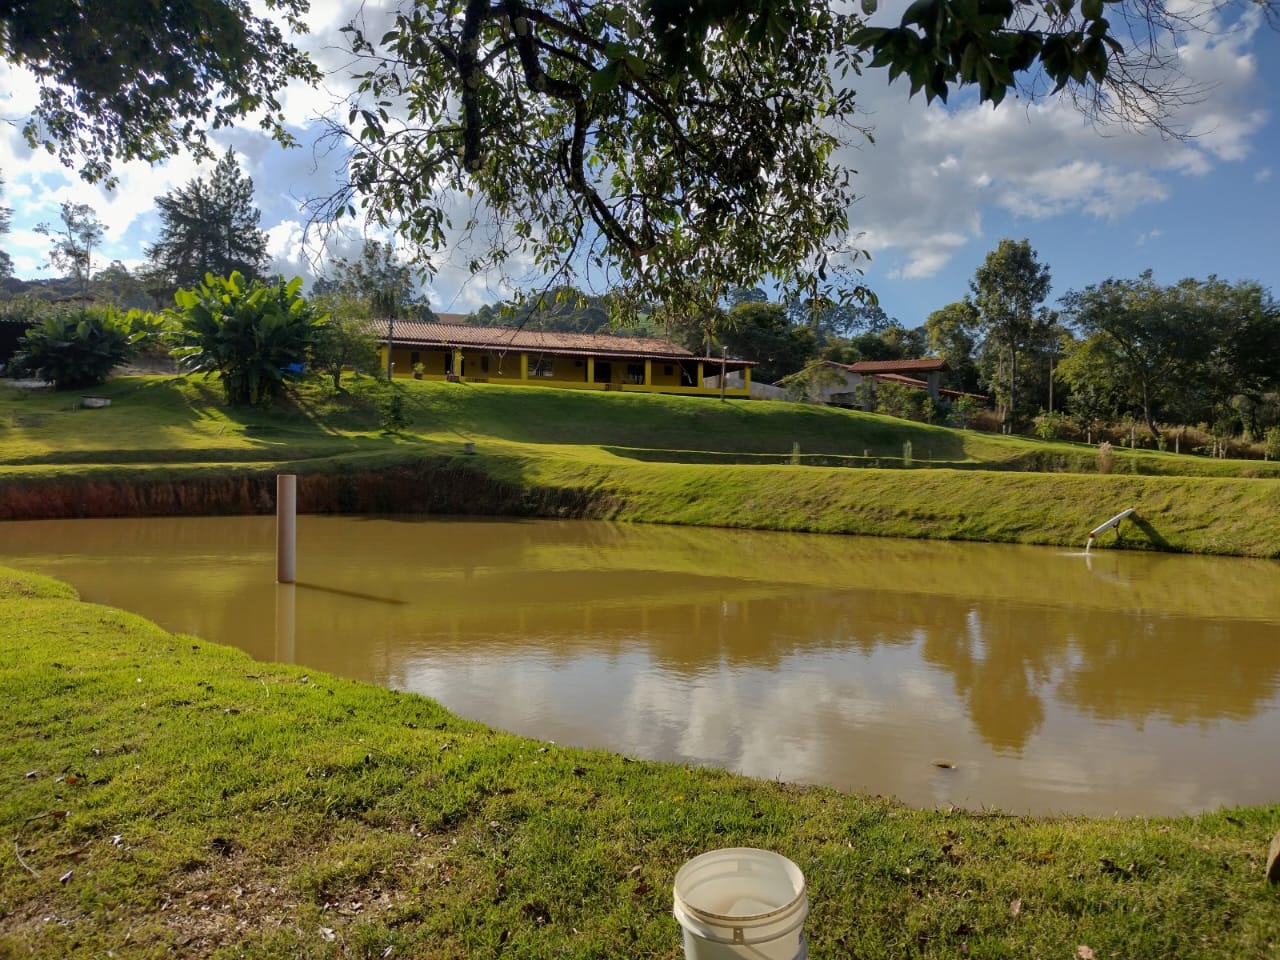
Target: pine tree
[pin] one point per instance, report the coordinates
(209, 227)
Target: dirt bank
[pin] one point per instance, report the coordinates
(445, 486)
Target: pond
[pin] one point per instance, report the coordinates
(1024, 678)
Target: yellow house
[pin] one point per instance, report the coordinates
(447, 349)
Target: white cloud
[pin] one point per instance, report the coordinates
(933, 170)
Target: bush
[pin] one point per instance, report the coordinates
(964, 411)
(1050, 426)
(74, 349)
(254, 336)
(907, 403)
(1271, 443)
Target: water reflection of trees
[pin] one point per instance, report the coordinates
(1006, 661)
(1180, 669)
(696, 601)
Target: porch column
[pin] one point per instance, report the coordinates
(648, 371)
(701, 383)
(746, 379)
(457, 362)
(524, 366)
(591, 369)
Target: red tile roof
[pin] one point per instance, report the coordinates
(467, 335)
(899, 366)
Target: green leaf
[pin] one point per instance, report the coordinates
(919, 12)
(636, 65)
(606, 79)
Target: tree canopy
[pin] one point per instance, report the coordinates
(574, 139)
(1184, 349)
(682, 149)
(139, 80)
(381, 281)
(1008, 289)
(664, 141)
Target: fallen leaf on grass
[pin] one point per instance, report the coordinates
(1016, 907)
(1085, 953)
(944, 764)
(536, 912)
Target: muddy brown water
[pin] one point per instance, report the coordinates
(1023, 678)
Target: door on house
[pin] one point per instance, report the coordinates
(604, 372)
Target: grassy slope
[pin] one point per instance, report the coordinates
(672, 460)
(171, 797)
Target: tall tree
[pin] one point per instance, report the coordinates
(380, 279)
(950, 333)
(760, 331)
(6, 215)
(209, 226)
(1099, 389)
(1008, 289)
(73, 242)
(140, 80)
(382, 283)
(117, 284)
(1158, 336)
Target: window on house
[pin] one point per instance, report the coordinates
(635, 373)
(484, 364)
(666, 370)
(541, 367)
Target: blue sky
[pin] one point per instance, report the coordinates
(939, 188)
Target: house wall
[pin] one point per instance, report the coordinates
(565, 371)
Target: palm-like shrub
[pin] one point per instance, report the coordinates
(73, 349)
(253, 336)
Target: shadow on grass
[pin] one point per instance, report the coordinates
(1151, 534)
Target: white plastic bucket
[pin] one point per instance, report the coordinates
(741, 903)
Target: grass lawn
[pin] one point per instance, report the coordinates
(167, 443)
(168, 797)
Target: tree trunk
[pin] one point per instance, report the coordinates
(1013, 380)
(1146, 415)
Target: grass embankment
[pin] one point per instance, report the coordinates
(167, 445)
(166, 797)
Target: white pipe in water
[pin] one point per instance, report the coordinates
(286, 527)
(1113, 522)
